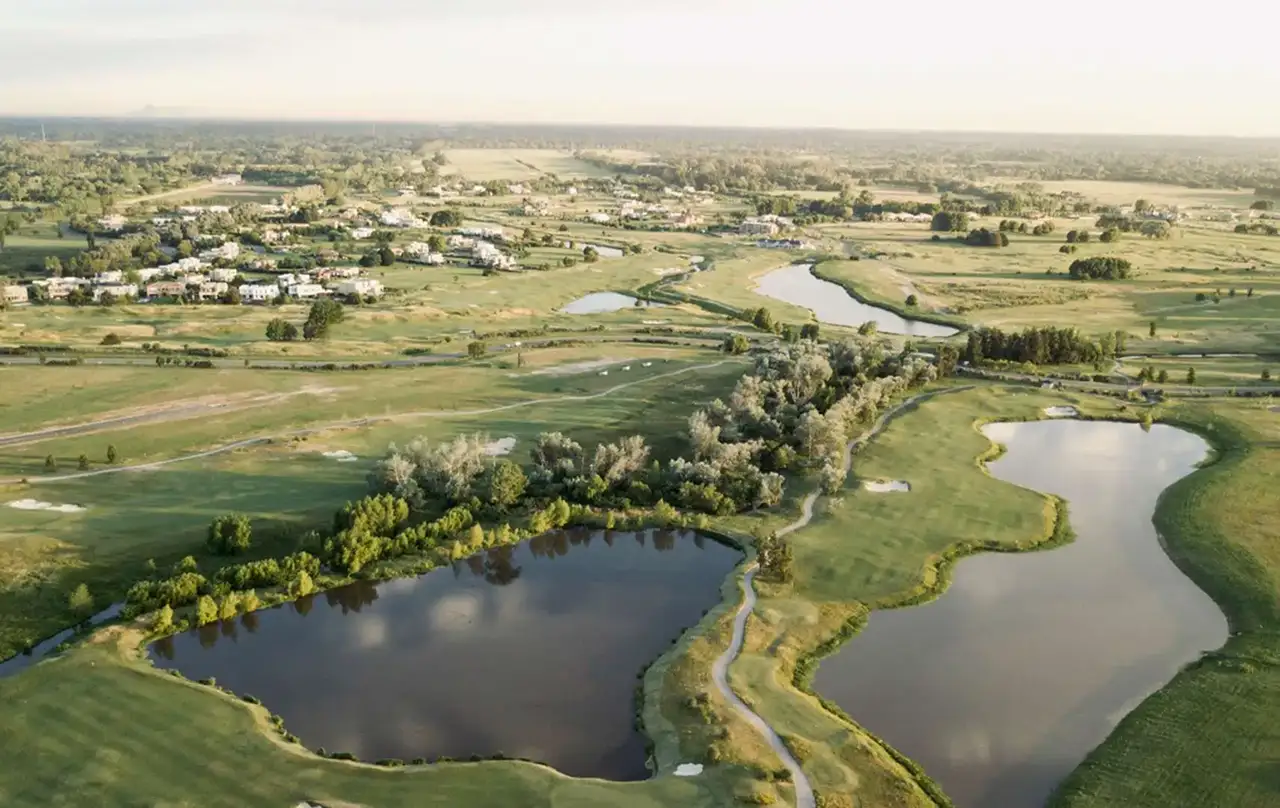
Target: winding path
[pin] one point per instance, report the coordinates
(378, 419)
(720, 668)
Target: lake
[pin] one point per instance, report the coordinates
(1000, 687)
(601, 302)
(530, 650)
(830, 303)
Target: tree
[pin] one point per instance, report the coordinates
(590, 254)
(810, 331)
(1151, 329)
(869, 328)
(436, 243)
(163, 621)
(446, 218)
(84, 462)
(476, 350)
(1100, 268)
(763, 319)
(1163, 376)
(912, 301)
(302, 585)
(1263, 204)
(50, 464)
(982, 237)
(1266, 374)
(80, 601)
(1156, 229)
(229, 535)
(206, 611)
(1110, 235)
(386, 256)
(948, 221)
(280, 330)
(1191, 375)
(323, 314)
(505, 484)
(53, 266)
(185, 249)
(112, 457)
(736, 344)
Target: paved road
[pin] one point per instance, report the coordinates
(377, 419)
(1177, 390)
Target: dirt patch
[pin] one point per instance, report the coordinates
(500, 447)
(886, 486)
(507, 314)
(40, 505)
(341, 455)
(126, 331)
(1061, 412)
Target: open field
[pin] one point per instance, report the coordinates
(1126, 193)
(210, 193)
(288, 484)
(481, 165)
(25, 251)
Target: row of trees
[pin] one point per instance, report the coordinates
(1106, 268)
(1041, 346)
(982, 237)
(323, 314)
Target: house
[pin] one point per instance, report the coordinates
(259, 293)
(212, 289)
(362, 232)
(303, 291)
(224, 275)
(360, 287)
(147, 274)
(219, 208)
(328, 273)
(572, 191)
(13, 294)
(483, 232)
(599, 218)
(229, 251)
(516, 189)
(59, 288)
(421, 253)
(755, 227)
(166, 289)
(116, 290)
(408, 191)
(161, 221)
(110, 276)
(686, 219)
(400, 217)
(113, 223)
(226, 179)
(194, 279)
(289, 279)
(459, 243)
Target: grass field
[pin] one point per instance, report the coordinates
(25, 251)
(481, 165)
(161, 514)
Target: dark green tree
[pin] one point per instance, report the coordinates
(229, 535)
(505, 484)
(476, 350)
(112, 456)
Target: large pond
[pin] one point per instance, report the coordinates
(601, 302)
(531, 651)
(1000, 687)
(795, 284)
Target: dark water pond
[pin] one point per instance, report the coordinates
(44, 648)
(832, 304)
(600, 302)
(1000, 687)
(530, 650)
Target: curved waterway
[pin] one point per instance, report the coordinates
(1001, 686)
(530, 650)
(830, 303)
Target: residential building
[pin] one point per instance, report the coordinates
(213, 289)
(483, 232)
(10, 293)
(229, 251)
(419, 252)
(459, 242)
(362, 232)
(116, 290)
(110, 276)
(224, 275)
(572, 191)
(166, 289)
(363, 287)
(59, 288)
(146, 274)
(303, 291)
(113, 223)
(259, 293)
(227, 179)
(328, 273)
(756, 227)
(400, 217)
(516, 188)
(599, 218)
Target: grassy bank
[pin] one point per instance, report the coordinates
(1208, 737)
(842, 274)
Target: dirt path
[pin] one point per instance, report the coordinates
(720, 668)
(371, 420)
(190, 189)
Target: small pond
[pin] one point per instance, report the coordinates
(605, 251)
(832, 304)
(1000, 687)
(531, 650)
(601, 302)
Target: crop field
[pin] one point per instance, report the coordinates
(1125, 193)
(24, 252)
(517, 164)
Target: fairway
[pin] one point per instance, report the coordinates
(482, 165)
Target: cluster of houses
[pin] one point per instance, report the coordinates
(767, 225)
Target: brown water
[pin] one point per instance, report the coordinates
(532, 651)
(1000, 687)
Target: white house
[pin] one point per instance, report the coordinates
(400, 217)
(116, 290)
(303, 291)
(289, 279)
(113, 222)
(573, 191)
(224, 275)
(483, 232)
(10, 293)
(110, 276)
(58, 288)
(516, 188)
(148, 274)
(166, 289)
(227, 179)
(259, 293)
(364, 287)
(421, 253)
(459, 242)
(362, 232)
(229, 251)
(600, 218)
(210, 289)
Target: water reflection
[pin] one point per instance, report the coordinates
(832, 304)
(1000, 687)
(530, 650)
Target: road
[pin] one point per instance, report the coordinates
(1176, 390)
(720, 668)
(374, 419)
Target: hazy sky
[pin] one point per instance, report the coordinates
(1082, 66)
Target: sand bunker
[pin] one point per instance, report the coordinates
(500, 448)
(1061, 412)
(688, 769)
(886, 486)
(578, 367)
(341, 455)
(37, 505)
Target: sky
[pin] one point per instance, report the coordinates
(985, 65)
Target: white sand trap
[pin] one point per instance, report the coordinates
(577, 367)
(665, 271)
(688, 769)
(500, 448)
(341, 455)
(37, 505)
(886, 486)
(1061, 412)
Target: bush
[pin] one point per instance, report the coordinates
(112, 339)
(1100, 268)
(229, 535)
